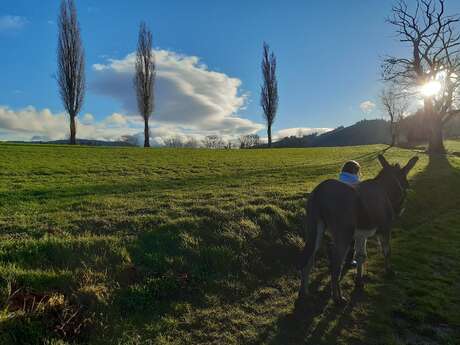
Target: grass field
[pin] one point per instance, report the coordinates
(163, 246)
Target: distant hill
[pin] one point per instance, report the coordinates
(365, 132)
(86, 142)
(414, 130)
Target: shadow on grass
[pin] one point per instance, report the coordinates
(317, 320)
(418, 306)
(223, 255)
(434, 191)
(188, 182)
(191, 261)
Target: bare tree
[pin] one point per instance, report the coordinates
(213, 142)
(395, 105)
(174, 142)
(144, 78)
(220, 143)
(71, 64)
(192, 143)
(209, 141)
(433, 65)
(299, 133)
(269, 90)
(249, 141)
(244, 144)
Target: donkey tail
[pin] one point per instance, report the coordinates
(312, 232)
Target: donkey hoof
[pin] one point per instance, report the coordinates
(339, 301)
(301, 302)
(303, 295)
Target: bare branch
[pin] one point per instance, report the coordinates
(395, 104)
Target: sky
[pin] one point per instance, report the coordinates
(208, 55)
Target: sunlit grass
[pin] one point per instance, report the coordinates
(198, 246)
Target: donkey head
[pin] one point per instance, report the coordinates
(400, 174)
(395, 181)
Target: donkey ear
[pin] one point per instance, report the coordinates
(410, 165)
(383, 161)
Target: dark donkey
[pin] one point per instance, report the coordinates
(353, 213)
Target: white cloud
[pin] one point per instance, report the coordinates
(187, 94)
(190, 100)
(116, 120)
(367, 106)
(87, 119)
(32, 124)
(9, 22)
(299, 131)
(27, 123)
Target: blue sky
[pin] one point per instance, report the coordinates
(328, 53)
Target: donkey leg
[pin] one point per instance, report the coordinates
(384, 239)
(338, 253)
(361, 256)
(351, 255)
(311, 249)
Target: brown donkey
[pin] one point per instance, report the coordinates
(353, 213)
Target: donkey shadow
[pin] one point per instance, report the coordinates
(318, 321)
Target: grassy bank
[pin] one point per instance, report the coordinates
(127, 246)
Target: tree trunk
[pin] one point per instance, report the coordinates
(393, 134)
(269, 133)
(436, 142)
(73, 130)
(398, 133)
(146, 133)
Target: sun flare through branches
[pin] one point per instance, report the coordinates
(430, 89)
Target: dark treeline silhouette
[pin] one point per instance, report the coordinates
(84, 142)
(413, 130)
(364, 132)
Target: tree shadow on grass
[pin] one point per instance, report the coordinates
(188, 260)
(395, 311)
(320, 322)
(190, 182)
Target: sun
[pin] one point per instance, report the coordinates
(432, 88)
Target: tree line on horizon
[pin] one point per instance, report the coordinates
(433, 67)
